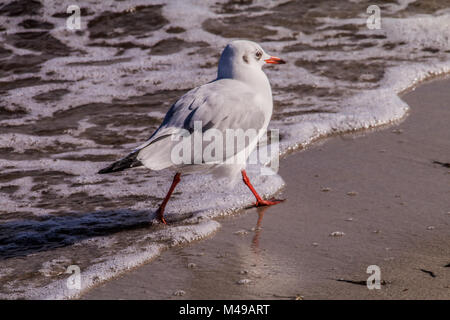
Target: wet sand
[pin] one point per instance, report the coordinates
(381, 189)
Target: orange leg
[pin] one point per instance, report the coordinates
(259, 201)
(161, 208)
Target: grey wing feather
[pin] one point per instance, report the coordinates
(215, 105)
(219, 107)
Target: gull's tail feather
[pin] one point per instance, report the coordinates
(129, 161)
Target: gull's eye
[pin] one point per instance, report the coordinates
(258, 55)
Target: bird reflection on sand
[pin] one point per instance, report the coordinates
(258, 229)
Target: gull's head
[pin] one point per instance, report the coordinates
(241, 57)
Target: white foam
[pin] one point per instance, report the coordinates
(124, 260)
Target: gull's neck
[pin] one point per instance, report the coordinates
(253, 77)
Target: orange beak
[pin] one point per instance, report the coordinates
(275, 60)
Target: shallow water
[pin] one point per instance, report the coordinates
(71, 101)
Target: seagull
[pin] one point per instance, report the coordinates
(239, 98)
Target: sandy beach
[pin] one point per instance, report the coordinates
(377, 197)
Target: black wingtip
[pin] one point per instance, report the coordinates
(103, 171)
(129, 161)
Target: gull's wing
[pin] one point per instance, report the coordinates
(221, 105)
